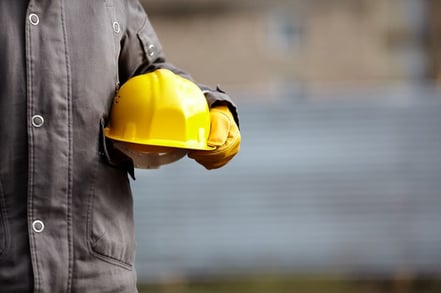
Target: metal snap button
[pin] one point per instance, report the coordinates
(38, 226)
(151, 50)
(37, 121)
(34, 19)
(116, 27)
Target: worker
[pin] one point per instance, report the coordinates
(66, 214)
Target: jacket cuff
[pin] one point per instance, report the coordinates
(218, 96)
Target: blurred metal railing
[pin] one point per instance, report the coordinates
(320, 186)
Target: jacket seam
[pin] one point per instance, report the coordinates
(112, 15)
(4, 222)
(70, 146)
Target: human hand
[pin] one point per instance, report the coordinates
(224, 136)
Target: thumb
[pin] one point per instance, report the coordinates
(220, 126)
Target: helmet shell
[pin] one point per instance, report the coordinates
(160, 108)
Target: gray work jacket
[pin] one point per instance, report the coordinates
(66, 222)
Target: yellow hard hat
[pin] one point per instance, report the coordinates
(160, 109)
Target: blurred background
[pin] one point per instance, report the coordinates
(337, 187)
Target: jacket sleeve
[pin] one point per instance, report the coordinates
(141, 52)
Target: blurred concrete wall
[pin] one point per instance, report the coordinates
(434, 40)
(261, 44)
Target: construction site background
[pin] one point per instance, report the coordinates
(336, 187)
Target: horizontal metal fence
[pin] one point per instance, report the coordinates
(339, 185)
